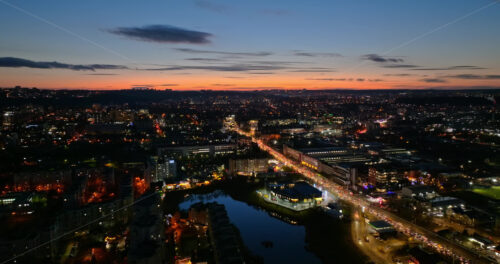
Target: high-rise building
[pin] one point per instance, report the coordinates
(166, 169)
(7, 120)
(254, 126)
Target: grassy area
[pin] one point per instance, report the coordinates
(493, 192)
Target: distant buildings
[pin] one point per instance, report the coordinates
(356, 139)
(248, 167)
(419, 192)
(438, 206)
(254, 126)
(211, 150)
(7, 120)
(427, 197)
(165, 169)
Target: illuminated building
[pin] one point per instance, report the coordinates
(483, 242)
(166, 169)
(419, 192)
(229, 123)
(211, 150)
(295, 196)
(7, 120)
(343, 174)
(382, 177)
(248, 167)
(438, 205)
(381, 228)
(254, 126)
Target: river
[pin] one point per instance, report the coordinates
(315, 240)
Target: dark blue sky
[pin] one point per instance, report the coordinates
(188, 44)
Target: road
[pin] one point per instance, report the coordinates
(446, 247)
(367, 243)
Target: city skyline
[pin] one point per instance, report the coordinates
(222, 45)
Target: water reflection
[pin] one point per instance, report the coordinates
(259, 230)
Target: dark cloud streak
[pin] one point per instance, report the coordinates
(400, 66)
(163, 34)
(228, 68)
(195, 51)
(316, 54)
(345, 79)
(12, 62)
(433, 80)
(474, 77)
(381, 59)
(459, 67)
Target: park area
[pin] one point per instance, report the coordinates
(492, 192)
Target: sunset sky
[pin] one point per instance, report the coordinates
(247, 45)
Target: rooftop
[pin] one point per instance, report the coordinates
(298, 190)
(380, 224)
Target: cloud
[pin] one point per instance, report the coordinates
(398, 74)
(381, 59)
(163, 34)
(326, 79)
(222, 84)
(211, 6)
(169, 84)
(316, 54)
(12, 62)
(195, 51)
(400, 66)
(433, 80)
(314, 69)
(345, 79)
(474, 77)
(228, 68)
(458, 67)
(274, 62)
(465, 67)
(262, 73)
(254, 67)
(204, 59)
(103, 74)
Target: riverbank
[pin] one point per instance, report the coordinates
(308, 236)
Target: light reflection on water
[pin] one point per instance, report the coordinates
(257, 226)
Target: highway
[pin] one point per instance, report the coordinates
(365, 242)
(446, 247)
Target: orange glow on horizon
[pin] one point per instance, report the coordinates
(221, 81)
